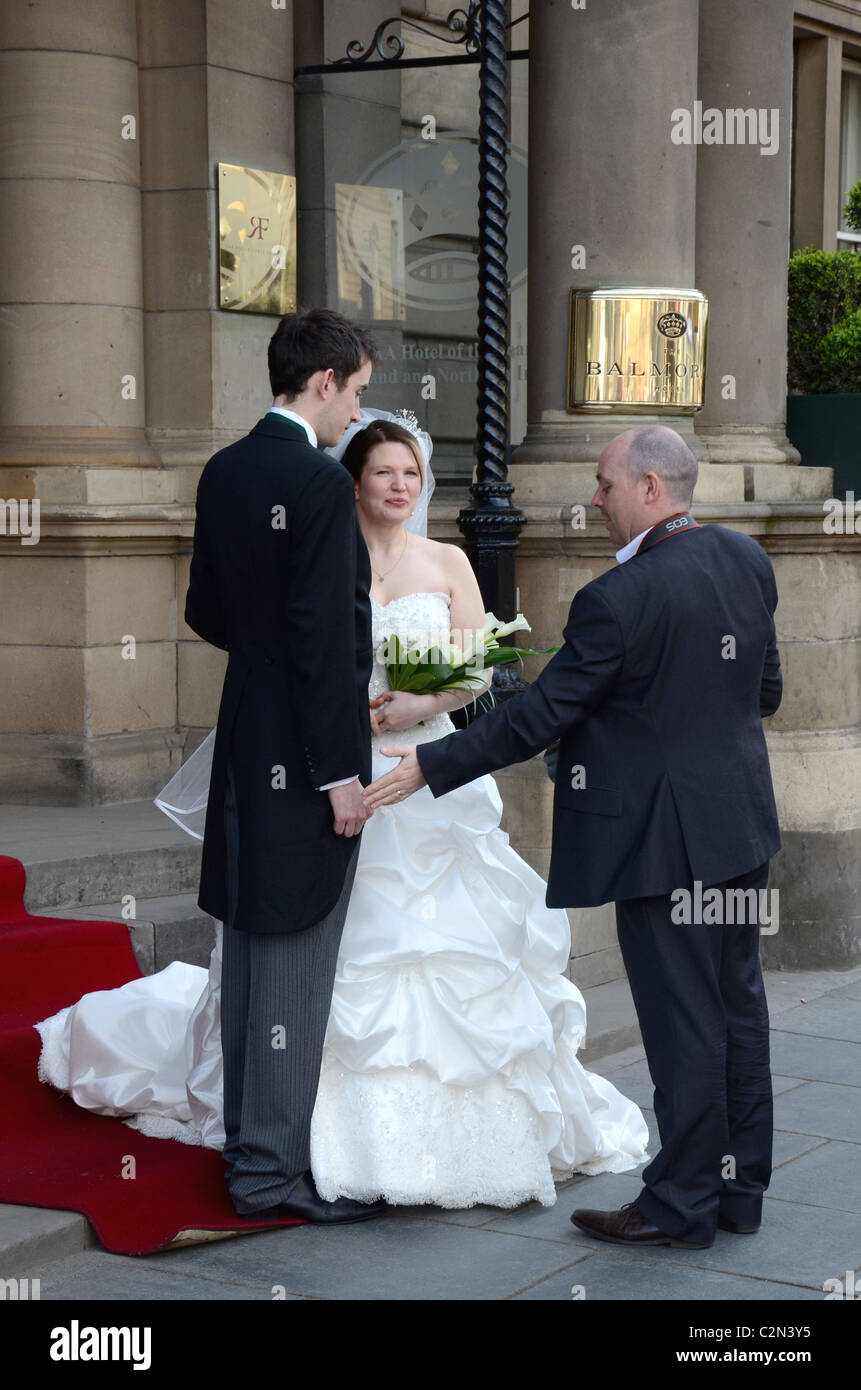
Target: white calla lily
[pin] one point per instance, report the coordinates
(518, 625)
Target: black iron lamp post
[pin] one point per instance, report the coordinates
(491, 525)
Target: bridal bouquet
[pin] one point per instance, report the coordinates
(448, 666)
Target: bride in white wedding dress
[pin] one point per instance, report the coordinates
(449, 1072)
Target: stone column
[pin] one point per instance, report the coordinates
(71, 333)
(78, 718)
(743, 194)
(94, 716)
(604, 175)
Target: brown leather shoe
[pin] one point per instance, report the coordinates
(628, 1226)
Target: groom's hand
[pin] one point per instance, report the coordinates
(348, 807)
(398, 784)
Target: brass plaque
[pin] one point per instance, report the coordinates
(632, 349)
(257, 240)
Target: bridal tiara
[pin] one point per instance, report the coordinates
(407, 419)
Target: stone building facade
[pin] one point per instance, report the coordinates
(121, 374)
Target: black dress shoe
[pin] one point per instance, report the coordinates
(306, 1203)
(628, 1226)
(724, 1224)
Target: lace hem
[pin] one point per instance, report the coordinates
(402, 1136)
(53, 1068)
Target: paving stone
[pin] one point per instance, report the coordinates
(615, 1061)
(785, 989)
(611, 1020)
(605, 1192)
(779, 1084)
(98, 1275)
(787, 1146)
(799, 1246)
(852, 991)
(829, 1176)
(635, 1083)
(831, 1016)
(820, 1108)
(382, 1260)
(610, 1274)
(816, 1059)
(464, 1216)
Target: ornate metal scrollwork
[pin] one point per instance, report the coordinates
(390, 47)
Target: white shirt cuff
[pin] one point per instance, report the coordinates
(343, 783)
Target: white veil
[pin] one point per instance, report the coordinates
(184, 797)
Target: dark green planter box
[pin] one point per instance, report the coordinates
(826, 430)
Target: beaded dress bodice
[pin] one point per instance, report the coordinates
(415, 619)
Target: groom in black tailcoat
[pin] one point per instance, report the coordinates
(279, 580)
(662, 791)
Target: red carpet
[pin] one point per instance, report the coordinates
(52, 1153)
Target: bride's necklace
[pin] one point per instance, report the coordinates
(381, 577)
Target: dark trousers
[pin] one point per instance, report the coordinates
(701, 1004)
(276, 994)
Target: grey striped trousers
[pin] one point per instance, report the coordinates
(276, 993)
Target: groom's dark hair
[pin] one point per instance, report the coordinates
(313, 340)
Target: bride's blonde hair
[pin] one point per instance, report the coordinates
(355, 456)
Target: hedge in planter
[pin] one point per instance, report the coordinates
(824, 324)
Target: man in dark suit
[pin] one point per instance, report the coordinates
(662, 784)
(279, 579)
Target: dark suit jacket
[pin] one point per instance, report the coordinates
(289, 602)
(664, 722)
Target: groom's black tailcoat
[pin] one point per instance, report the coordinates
(668, 665)
(279, 579)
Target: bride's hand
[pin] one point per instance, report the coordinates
(396, 710)
(375, 718)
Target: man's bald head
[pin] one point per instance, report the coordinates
(657, 449)
(644, 476)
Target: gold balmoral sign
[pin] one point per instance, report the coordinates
(257, 236)
(633, 349)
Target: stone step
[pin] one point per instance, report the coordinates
(82, 862)
(163, 929)
(31, 1237)
(98, 854)
(611, 1021)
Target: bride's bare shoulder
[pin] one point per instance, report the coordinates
(447, 560)
(445, 553)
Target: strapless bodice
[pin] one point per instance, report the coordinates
(420, 619)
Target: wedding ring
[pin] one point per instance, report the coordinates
(400, 793)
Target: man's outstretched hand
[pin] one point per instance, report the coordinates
(348, 807)
(398, 784)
